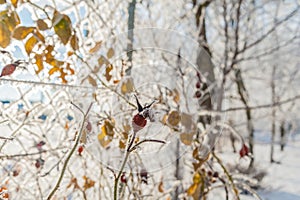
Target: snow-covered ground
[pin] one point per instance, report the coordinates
(282, 181)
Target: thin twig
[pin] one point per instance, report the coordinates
(146, 140)
(6, 138)
(234, 188)
(264, 105)
(29, 154)
(85, 115)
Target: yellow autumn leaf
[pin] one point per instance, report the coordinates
(42, 25)
(4, 35)
(109, 67)
(101, 135)
(110, 53)
(127, 86)
(10, 19)
(105, 143)
(14, 3)
(197, 178)
(186, 138)
(92, 81)
(107, 128)
(62, 26)
(74, 42)
(39, 62)
(52, 70)
(30, 43)
(21, 32)
(96, 47)
(39, 36)
(174, 118)
(192, 189)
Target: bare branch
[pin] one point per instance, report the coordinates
(264, 105)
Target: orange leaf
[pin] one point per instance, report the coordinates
(14, 3)
(52, 70)
(42, 25)
(73, 182)
(4, 35)
(21, 32)
(88, 183)
(39, 63)
(109, 67)
(96, 47)
(30, 43)
(72, 71)
(161, 187)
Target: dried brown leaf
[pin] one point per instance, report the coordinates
(74, 42)
(174, 118)
(21, 32)
(110, 53)
(92, 81)
(96, 47)
(186, 138)
(42, 25)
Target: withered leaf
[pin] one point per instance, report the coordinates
(4, 35)
(30, 43)
(186, 138)
(21, 32)
(92, 81)
(62, 26)
(174, 118)
(42, 25)
(110, 53)
(96, 47)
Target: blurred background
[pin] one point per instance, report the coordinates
(223, 75)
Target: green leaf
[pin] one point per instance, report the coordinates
(62, 26)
